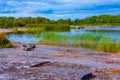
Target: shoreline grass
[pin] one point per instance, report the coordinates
(97, 42)
(49, 27)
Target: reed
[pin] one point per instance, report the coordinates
(87, 40)
(49, 27)
(108, 44)
(51, 38)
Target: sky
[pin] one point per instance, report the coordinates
(58, 9)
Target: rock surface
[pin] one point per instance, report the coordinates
(5, 30)
(58, 63)
(117, 77)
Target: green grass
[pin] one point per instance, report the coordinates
(108, 44)
(4, 43)
(87, 40)
(51, 38)
(49, 27)
(38, 28)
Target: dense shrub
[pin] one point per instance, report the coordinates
(4, 43)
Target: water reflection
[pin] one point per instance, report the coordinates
(25, 38)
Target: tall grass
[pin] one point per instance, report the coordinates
(108, 44)
(4, 43)
(49, 27)
(51, 38)
(87, 40)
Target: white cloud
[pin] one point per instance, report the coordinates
(60, 8)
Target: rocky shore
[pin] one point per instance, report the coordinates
(5, 30)
(57, 63)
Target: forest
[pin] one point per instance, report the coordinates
(101, 20)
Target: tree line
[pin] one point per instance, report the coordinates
(109, 20)
(101, 20)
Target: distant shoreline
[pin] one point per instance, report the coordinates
(3, 30)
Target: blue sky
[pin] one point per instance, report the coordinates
(57, 9)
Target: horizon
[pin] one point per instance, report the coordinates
(61, 18)
(55, 9)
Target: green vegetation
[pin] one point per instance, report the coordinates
(4, 43)
(102, 20)
(15, 30)
(49, 27)
(31, 22)
(86, 40)
(51, 38)
(108, 44)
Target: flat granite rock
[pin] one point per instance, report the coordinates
(17, 64)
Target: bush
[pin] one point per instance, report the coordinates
(4, 43)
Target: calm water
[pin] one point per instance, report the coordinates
(26, 38)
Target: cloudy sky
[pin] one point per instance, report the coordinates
(56, 9)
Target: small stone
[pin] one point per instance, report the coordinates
(87, 76)
(39, 64)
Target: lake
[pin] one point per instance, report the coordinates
(27, 38)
